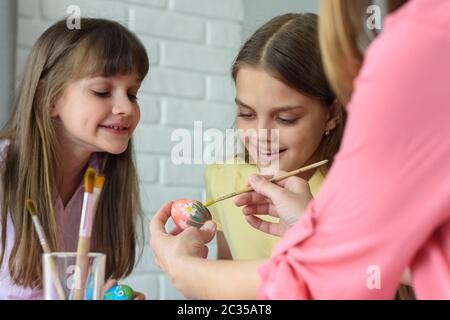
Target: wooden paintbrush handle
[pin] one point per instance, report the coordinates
(82, 262)
(274, 179)
(57, 281)
(296, 172)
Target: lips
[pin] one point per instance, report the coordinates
(267, 157)
(114, 127)
(118, 127)
(268, 153)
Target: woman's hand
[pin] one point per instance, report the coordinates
(170, 249)
(287, 199)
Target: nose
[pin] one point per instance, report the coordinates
(266, 131)
(123, 105)
(265, 123)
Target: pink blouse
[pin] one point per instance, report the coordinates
(68, 219)
(385, 204)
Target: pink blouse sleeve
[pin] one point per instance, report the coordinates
(387, 194)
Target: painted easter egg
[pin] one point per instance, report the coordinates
(119, 292)
(186, 212)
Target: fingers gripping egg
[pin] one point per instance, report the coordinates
(186, 212)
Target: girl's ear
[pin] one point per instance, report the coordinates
(54, 111)
(333, 116)
(55, 106)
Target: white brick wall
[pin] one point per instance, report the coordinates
(191, 44)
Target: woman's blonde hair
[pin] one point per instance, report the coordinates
(342, 36)
(100, 47)
(288, 48)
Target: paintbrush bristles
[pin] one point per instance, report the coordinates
(32, 210)
(99, 181)
(31, 207)
(89, 180)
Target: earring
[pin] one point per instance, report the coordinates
(327, 133)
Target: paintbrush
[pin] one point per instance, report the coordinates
(84, 240)
(274, 179)
(32, 210)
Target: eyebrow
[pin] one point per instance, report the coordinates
(239, 102)
(278, 109)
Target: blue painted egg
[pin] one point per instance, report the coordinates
(119, 292)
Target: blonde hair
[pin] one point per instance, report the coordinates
(288, 47)
(60, 55)
(341, 33)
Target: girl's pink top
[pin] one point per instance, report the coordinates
(385, 204)
(68, 219)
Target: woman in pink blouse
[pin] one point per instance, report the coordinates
(385, 204)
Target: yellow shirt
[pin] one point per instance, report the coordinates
(244, 241)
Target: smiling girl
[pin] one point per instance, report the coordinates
(76, 107)
(281, 92)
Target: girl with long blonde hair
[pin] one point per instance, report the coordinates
(76, 107)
